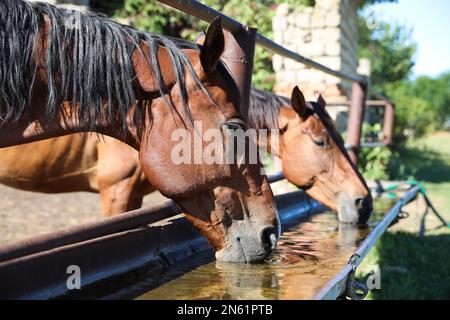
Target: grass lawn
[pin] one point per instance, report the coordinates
(414, 267)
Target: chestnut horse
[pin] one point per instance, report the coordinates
(64, 72)
(312, 152)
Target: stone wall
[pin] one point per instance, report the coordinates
(326, 33)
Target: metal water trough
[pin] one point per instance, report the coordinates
(151, 238)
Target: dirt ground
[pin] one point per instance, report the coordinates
(26, 214)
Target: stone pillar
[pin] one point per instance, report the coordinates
(326, 33)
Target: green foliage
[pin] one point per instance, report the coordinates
(374, 162)
(436, 92)
(413, 113)
(403, 259)
(390, 51)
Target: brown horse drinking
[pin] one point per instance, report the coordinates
(312, 152)
(64, 72)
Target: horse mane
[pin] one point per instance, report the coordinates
(88, 61)
(264, 108)
(328, 123)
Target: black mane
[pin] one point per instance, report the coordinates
(88, 61)
(265, 107)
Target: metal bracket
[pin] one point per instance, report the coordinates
(401, 215)
(355, 290)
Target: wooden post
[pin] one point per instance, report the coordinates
(388, 123)
(356, 118)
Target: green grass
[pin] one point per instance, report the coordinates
(414, 267)
(427, 160)
(411, 267)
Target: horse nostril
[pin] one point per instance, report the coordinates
(359, 203)
(269, 237)
(364, 207)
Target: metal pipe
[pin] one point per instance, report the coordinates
(369, 103)
(356, 118)
(206, 13)
(118, 223)
(238, 57)
(276, 177)
(388, 123)
(368, 145)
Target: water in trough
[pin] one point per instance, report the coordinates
(308, 255)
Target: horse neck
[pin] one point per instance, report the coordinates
(31, 130)
(36, 127)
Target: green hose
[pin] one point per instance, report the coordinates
(390, 194)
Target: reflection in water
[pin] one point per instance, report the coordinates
(307, 257)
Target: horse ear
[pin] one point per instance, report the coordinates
(321, 102)
(200, 39)
(298, 103)
(213, 46)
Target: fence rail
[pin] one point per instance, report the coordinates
(360, 84)
(207, 14)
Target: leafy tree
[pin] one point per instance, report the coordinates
(390, 51)
(436, 92)
(412, 112)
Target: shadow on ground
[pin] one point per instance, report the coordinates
(424, 165)
(413, 267)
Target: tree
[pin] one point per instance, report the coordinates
(436, 92)
(390, 51)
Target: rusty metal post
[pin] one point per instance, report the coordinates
(388, 123)
(238, 57)
(356, 118)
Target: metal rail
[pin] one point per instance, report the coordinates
(85, 232)
(201, 11)
(340, 284)
(369, 103)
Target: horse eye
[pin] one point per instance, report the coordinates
(319, 143)
(235, 125)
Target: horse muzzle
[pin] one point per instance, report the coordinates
(354, 210)
(247, 243)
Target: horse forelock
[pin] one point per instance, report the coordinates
(88, 59)
(264, 109)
